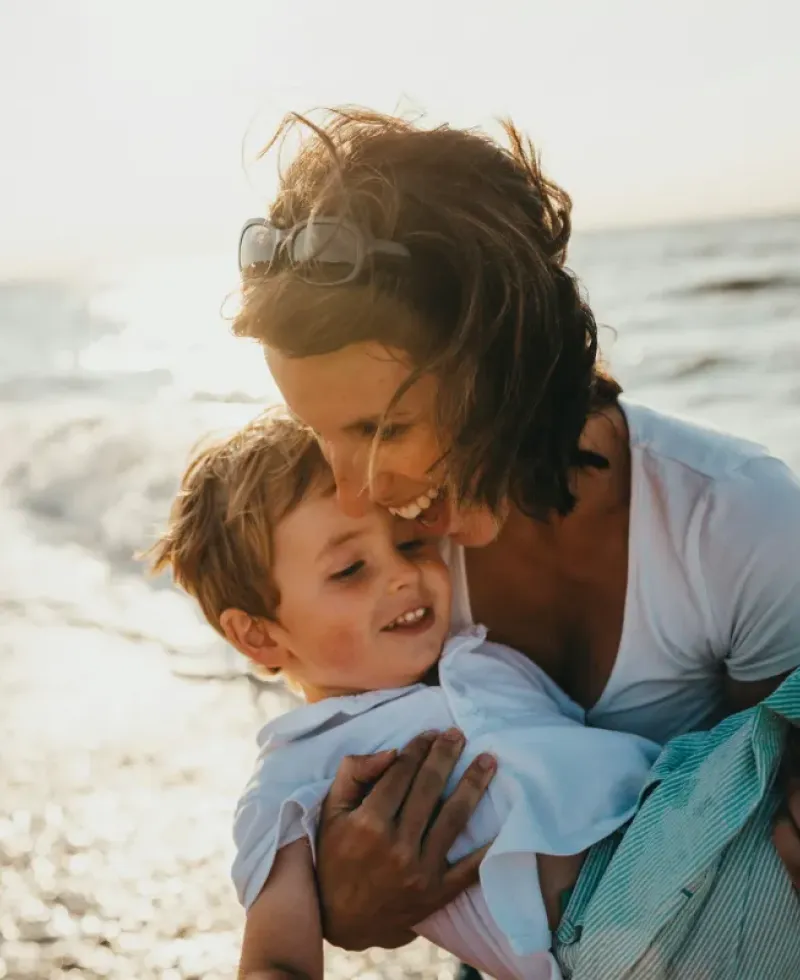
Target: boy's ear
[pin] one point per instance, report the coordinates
(257, 638)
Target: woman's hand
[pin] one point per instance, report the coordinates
(787, 827)
(384, 837)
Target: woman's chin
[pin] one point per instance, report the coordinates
(437, 518)
(476, 534)
(470, 527)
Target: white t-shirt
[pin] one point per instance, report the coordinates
(560, 787)
(713, 576)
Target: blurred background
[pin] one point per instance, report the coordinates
(127, 728)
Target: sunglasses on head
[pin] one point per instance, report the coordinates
(330, 243)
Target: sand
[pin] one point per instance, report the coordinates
(118, 780)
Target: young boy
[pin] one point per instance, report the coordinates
(356, 613)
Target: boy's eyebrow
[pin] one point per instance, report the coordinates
(338, 540)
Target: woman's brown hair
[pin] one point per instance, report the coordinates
(498, 319)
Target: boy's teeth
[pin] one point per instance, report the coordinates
(414, 616)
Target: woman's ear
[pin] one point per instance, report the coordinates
(259, 639)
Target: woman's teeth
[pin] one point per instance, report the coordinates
(416, 507)
(407, 619)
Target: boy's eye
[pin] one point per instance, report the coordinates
(414, 545)
(348, 572)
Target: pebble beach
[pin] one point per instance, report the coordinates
(118, 779)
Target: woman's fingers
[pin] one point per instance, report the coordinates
(353, 780)
(463, 874)
(375, 879)
(387, 797)
(458, 808)
(430, 782)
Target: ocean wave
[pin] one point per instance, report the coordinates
(46, 323)
(701, 364)
(228, 398)
(103, 480)
(119, 384)
(742, 285)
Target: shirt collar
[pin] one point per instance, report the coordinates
(308, 718)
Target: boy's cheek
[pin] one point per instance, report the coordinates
(342, 646)
(441, 584)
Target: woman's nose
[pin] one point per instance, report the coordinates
(355, 491)
(352, 500)
(351, 490)
(380, 489)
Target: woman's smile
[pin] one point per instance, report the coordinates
(416, 507)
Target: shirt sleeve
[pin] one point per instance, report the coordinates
(750, 560)
(270, 815)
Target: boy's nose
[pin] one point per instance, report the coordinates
(404, 575)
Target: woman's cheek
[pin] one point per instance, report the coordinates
(412, 458)
(421, 458)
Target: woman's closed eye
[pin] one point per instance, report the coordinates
(392, 430)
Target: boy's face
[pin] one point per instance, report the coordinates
(364, 601)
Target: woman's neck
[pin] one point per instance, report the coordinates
(599, 493)
(555, 589)
(604, 490)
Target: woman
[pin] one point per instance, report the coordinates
(410, 293)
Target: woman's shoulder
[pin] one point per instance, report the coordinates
(683, 445)
(691, 466)
(717, 520)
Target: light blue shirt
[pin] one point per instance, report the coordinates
(560, 787)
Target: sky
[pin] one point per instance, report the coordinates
(122, 124)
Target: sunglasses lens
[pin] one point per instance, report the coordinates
(258, 245)
(328, 244)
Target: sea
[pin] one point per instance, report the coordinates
(108, 378)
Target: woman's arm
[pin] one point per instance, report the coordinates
(382, 849)
(283, 931)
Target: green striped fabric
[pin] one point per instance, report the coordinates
(693, 889)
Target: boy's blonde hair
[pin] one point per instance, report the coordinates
(219, 542)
